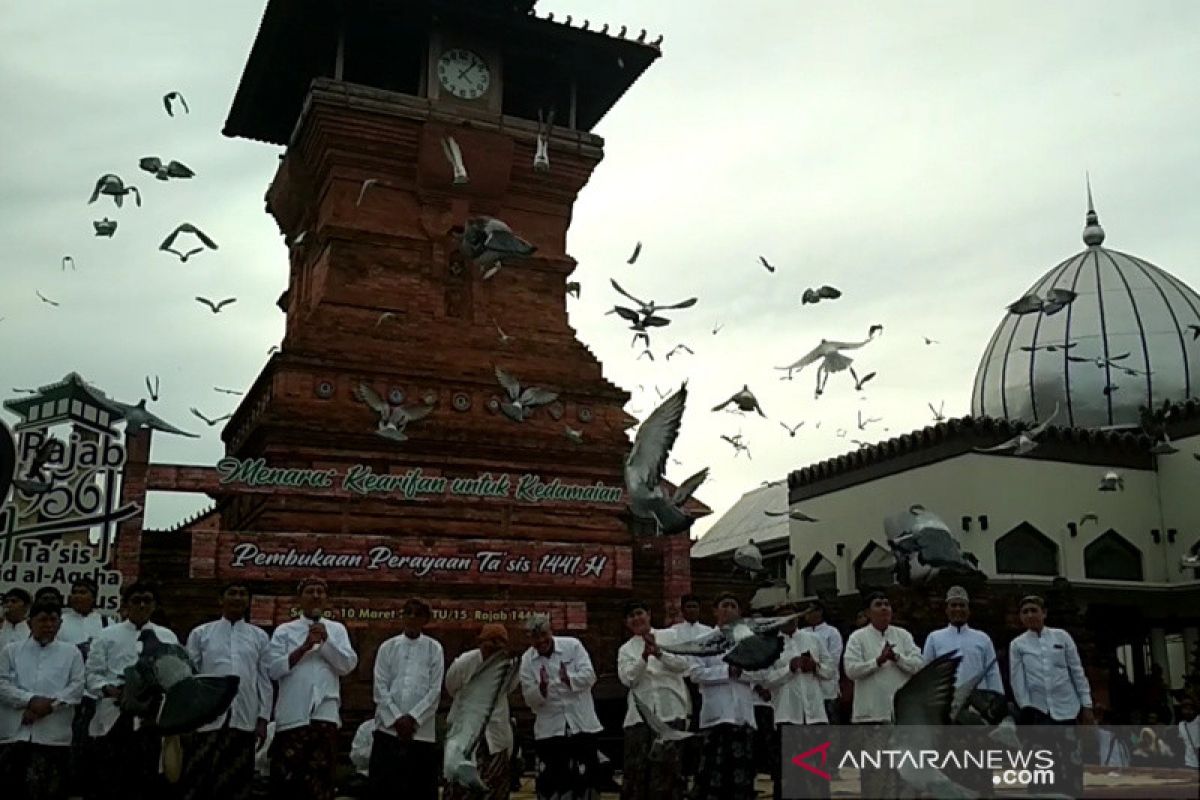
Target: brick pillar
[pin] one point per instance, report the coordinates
(676, 573)
(133, 489)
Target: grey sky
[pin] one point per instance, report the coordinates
(925, 157)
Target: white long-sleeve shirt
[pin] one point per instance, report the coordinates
(311, 690)
(831, 637)
(408, 680)
(874, 685)
(498, 733)
(977, 651)
(78, 629)
(687, 631)
(238, 648)
(566, 709)
(10, 633)
(799, 697)
(724, 699)
(113, 650)
(1189, 734)
(658, 680)
(30, 669)
(1046, 674)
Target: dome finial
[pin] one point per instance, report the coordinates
(1093, 234)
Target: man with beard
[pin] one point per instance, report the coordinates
(220, 757)
(308, 657)
(125, 750)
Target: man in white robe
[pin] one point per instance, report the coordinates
(691, 628)
(408, 685)
(494, 756)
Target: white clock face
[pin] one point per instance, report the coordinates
(464, 74)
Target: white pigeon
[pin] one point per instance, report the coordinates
(1112, 482)
(1024, 442)
(1191, 561)
(663, 734)
(393, 419)
(749, 558)
(829, 354)
(521, 401)
(469, 716)
(454, 155)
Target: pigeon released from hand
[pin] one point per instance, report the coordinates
(211, 422)
(924, 547)
(393, 419)
(172, 169)
(488, 241)
(645, 467)
(112, 185)
(1024, 442)
(216, 307)
(137, 417)
(171, 97)
(521, 401)
(744, 400)
(1112, 482)
(454, 155)
(474, 706)
(924, 703)
(105, 227)
(749, 643)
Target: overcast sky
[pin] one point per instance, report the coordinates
(927, 158)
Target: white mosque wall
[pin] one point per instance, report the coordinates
(1009, 491)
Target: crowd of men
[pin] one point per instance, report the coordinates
(63, 731)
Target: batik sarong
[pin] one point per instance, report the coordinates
(652, 773)
(127, 763)
(35, 771)
(303, 760)
(496, 771)
(567, 767)
(400, 768)
(726, 764)
(218, 765)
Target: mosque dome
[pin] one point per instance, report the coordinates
(1129, 337)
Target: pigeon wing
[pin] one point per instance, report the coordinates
(816, 354)
(627, 314)
(537, 396)
(1037, 431)
(686, 489)
(203, 237)
(151, 164)
(962, 694)
(414, 413)
(617, 286)
(660, 729)
(510, 384)
(691, 301)
(207, 302)
(756, 652)
(652, 445)
(926, 698)
(160, 424)
(177, 170)
(168, 242)
(503, 240)
(369, 396)
(710, 644)
(227, 301)
(477, 699)
(196, 412)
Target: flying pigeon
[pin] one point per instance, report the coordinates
(393, 419)
(1055, 300)
(762, 260)
(1024, 442)
(541, 155)
(211, 422)
(1164, 447)
(172, 169)
(677, 348)
(717, 328)
(105, 227)
(186, 227)
(749, 643)
(1112, 482)
(216, 307)
(68, 260)
(923, 547)
(45, 299)
(152, 388)
(829, 354)
(791, 429)
(749, 558)
(647, 309)
(924, 704)
(188, 700)
(453, 155)
(637, 251)
(1089, 517)
(860, 382)
(1191, 561)
(938, 416)
(573, 288)
(169, 97)
(472, 710)
(929, 341)
(384, 317)
(864, 422)
(874, 329)
(114, 187)
(137, 417)
(1195, 329)
(1051, 348)
(645, 353)
(575, 435)
(738, 445)
(744, 400)
(646, 463)
(797, 515)
(228, 391)
(487, 240)
(662, 733)
(504, 337)
(819, 294)
(521, 402)
(362, 191)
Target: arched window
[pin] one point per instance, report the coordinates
(1112, 556)
(874, 567)
(1026, 551)
(819, 576)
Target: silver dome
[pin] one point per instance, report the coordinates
(1124, 305)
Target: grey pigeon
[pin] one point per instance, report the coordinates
(112, 185)
(172, 169)
(210, 422)
(488, 241)
(573, 288)
(216, 307)
(749, 558)
(137, 417)
(744, 400)
(859, 383)
(186, 227)
(45, 299)
(1024, 442)
(646, 463)
(924, 547)
(472, 709)
(921, 706)
(648, 309)
(393, 419)
(521, 401)
(938, 415)
(663, 735)
(105, 227)
(68, 260)
(797, 515)
(169, 97)
(791, 429)
(679, 348)
(749, 643)
(637, 251)
(812, 296)
(766, 264)
(739, 446)
(1112, 482)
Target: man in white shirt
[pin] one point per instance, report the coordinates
(656, 678)
(220, 757)
(121, 747)
(798, 695)
(494, 756)
(1189, 733)
(308, 657)
(41, 683)
(727, 770)
(1048, 682)
(556, 680)
(880, 658)
(14, 627)
(831, 637)
(81, 623)
(691, 628)
(408, 685)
